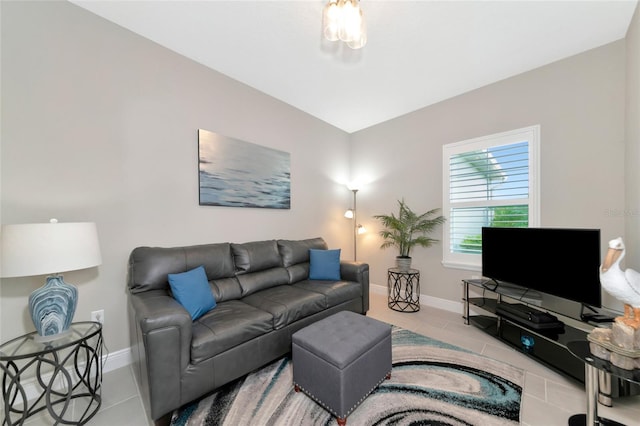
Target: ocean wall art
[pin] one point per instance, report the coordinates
(235, 173)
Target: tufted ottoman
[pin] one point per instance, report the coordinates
(340, 360)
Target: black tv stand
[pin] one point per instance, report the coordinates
(546, 345)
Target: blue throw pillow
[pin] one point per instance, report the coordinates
(192, 290)
(324, 264)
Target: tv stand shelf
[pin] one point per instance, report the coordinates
(546, 346)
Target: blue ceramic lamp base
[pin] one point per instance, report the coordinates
(52, 308)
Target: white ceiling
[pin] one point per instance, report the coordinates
(418, 52)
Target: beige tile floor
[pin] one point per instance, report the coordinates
(549, 398)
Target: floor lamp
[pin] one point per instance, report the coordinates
(357, 228)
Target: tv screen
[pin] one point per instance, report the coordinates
(558, 261)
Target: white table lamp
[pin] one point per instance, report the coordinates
(50, 248)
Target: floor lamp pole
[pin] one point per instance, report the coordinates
(355, 227)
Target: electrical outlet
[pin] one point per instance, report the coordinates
(98, 316)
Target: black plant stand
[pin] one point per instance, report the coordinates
(403, 290)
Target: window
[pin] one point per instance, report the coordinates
(488, 181)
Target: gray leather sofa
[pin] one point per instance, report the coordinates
(263, 296)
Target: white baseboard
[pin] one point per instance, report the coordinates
(117, 359)
(434, 302)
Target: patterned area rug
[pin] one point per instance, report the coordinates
(432, 383)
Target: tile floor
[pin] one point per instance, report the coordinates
(549, 398)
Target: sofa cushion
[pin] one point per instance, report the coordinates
(324, 264)
(256, 281)
(298, 272)
(336, 292)
(256, 256)
(297, 251)
(192, 290)
(150, 266)
(216, 259)
(287, 303)
(228, 325)
(226, 289)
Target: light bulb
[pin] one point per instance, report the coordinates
(331, 20)
(349, 214)
(361, 229)
(351, 21)
(360, 41)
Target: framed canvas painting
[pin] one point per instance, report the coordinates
(235, 173)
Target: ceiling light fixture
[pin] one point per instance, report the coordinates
(344, 20)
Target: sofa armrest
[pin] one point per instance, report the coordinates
(165, 328)
(357, 272)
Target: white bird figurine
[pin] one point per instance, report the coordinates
(623, 285)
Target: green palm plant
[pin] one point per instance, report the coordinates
(408, 229)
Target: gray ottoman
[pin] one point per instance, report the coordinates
(340, 360)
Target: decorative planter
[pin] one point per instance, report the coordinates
(403, 263)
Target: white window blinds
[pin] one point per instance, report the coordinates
(488, 182)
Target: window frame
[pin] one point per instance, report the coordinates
(531, 134)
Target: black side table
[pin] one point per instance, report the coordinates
(403, 290)
(39, 376)
(593, 364)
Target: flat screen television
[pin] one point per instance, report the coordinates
(562, 262)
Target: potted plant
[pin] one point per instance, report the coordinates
(408, 230)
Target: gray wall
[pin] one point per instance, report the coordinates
(99, 124)
(632, 139)
(579, 103)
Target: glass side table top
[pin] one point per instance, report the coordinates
(581, 350)
(28, 345)
(408, 272)
(594, 365)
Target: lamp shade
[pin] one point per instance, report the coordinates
(48, 248)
